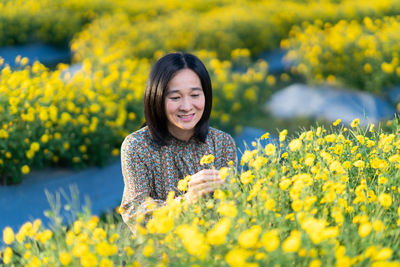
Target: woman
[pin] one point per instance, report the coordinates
(177, 107)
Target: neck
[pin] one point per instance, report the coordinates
(181, 135)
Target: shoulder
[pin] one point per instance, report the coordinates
(220, 136)
(137, 141)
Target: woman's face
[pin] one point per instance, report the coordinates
(184, 103)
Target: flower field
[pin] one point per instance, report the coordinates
(363, 55)
(325, 197)
(256, 25)
(116, 43)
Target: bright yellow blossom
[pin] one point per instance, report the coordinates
(8, 235)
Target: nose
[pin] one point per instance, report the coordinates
(186, 104)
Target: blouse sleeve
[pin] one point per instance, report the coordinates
(229, 152)
(138, 188)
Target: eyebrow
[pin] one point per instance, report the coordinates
(177, 91)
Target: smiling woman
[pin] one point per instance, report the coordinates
(177, 107)
(184, 104)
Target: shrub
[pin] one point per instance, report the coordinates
(363, 55)
(258, 26)
(330, 197)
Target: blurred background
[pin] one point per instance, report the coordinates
(73, 73)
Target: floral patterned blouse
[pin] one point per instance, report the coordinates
(151, 170)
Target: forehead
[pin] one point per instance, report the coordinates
(184, 79)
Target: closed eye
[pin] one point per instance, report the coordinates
(195, 95)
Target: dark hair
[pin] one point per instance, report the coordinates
(156, 88)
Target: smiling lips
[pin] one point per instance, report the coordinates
(187, 117)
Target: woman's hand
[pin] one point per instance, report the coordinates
(202, 183)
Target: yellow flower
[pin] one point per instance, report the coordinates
(249, 238)
(94, 108)
(223, 173)
(270, 240)
(318, 131)
(378, 225)
(207, 159)
(360, 139)
(355, 123)
(383, 254)
(115, 152)
(270, 149)
(371, 128)
(80, 249)
(25, 169)
(269, 204)
(217, 235)
(148, 250)
(35, 146)
(385, 200)
(297, 205)
(282, 135)
(309, 160)
(336, 122)
(65, 258)
(394, 158)
(359, 164)
(377, 163)
(382, 180)
(89, 260)
(315, 263)
(367, 68)
(285, 183)
(193, 240)
(330, 138)
(258, 162)
(106, 263)
(8, 235)
(387, 68)
(105, 249)
(292, 243)
(7, 255)
(265, 136)
(183, 183)
(227, 209)
(246, 177)
(237, 257)
(364, 229)
(337, 167)
(295, 145)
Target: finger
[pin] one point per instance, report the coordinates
(204, 179)
(207, 172)
(205, 186)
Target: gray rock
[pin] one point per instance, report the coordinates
(328, 103)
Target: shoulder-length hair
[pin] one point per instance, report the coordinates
(156, 89)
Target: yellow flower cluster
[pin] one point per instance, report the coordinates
(50, 117)
(362, 54)
(317, 205)
(219, 26)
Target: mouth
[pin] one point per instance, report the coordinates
(187, 117)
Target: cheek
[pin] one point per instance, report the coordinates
(200, 103)
(169, 108)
